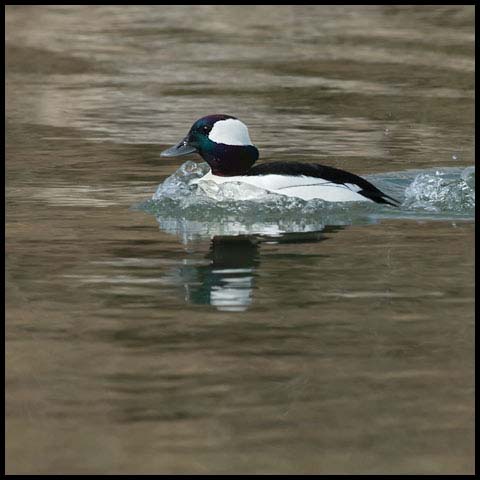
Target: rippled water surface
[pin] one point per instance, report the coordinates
(151, 329)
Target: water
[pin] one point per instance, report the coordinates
(152, 330)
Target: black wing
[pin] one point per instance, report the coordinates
(334, 175)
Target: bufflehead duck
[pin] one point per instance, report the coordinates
(224, 143)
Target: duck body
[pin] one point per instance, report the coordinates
(224, 143)
(302, 180)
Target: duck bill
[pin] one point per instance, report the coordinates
(181, 148)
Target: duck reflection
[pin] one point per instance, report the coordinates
(228, 281)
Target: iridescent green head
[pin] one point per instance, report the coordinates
(222, 141)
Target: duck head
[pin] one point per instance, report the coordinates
(222, 141)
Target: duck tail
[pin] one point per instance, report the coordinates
(380, 197)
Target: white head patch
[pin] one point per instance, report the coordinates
(230, 132)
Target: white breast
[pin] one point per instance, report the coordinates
(306, 188)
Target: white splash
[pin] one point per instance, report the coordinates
(440, 191)
(184, 208)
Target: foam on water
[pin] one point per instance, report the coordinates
(442, 191)
(235, 209)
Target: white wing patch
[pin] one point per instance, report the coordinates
(353, 187)
(306, 188)
(230, 132)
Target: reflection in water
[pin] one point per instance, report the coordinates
(228, 281)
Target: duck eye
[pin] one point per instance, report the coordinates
(206, 128)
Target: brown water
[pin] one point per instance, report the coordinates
(131, 349)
